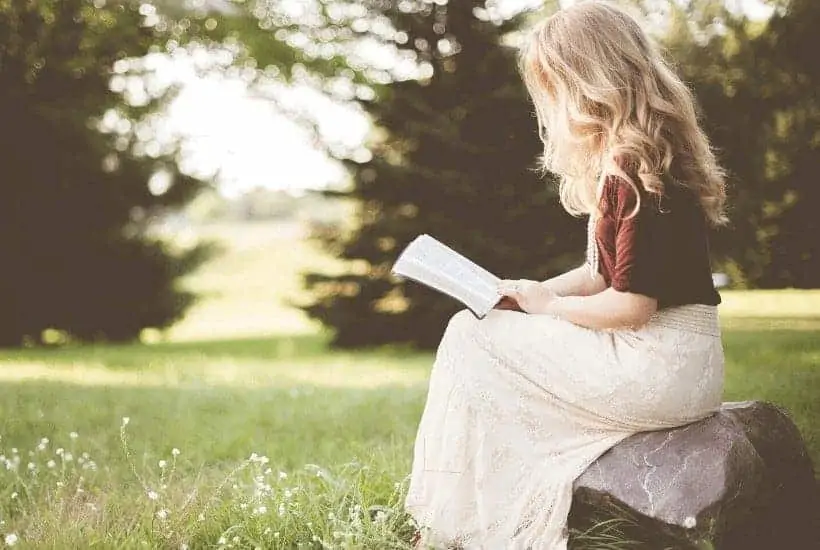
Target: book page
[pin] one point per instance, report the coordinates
(434, 264)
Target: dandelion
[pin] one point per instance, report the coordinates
(73, 435)
(11, 539)
(163, 464)
(162, 514)
(152, 495)
(125, 420)
(175, 451)
(51, 464)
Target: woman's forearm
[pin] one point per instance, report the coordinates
(576, 282)
(609, 309)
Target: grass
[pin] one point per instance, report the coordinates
(281, 444)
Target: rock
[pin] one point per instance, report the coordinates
(739, 480)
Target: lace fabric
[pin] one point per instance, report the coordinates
(520, 405)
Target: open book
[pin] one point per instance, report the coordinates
(431, 263)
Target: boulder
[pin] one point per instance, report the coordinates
(740, 479)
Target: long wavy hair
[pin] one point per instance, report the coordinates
(607, 103)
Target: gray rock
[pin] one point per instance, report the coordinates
(741, 479)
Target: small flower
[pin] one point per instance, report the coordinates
(235, 540)
(689, 522)
(68, 457)
(14, 451)
(11, 539)
(175, 451)
(162, 514)
(51, 464)
(283, 475)
(73, 435)
(152, 495)
(200, 517)
(243, 506)
(125, 420)
(276, 535)
(31, 466)
(260, 510)
(183, 546)
(163, 464)
(266, 531)
(14, 495)
(222, 541)
(59, 451)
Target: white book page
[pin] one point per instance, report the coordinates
(436, 265)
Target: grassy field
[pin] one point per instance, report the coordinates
(243, 431)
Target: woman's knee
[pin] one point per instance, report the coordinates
(462, 322)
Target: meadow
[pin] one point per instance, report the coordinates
(240, 429)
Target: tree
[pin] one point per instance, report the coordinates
(77, 254)
(454, 157)
(756, 83)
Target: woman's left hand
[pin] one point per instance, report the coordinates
(531, 296)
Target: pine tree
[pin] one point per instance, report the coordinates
(457, 161)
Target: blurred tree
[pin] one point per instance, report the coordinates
(453, 155)
(77, 256)
(756, 83)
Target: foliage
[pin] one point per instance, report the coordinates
(756, 84)
(454, 157)
(73, 219)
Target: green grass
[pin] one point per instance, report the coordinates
(332, 433)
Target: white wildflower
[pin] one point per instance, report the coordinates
(266, 531)
(14, 451)
(276, 535)
(14, 495)
(73, 435)
(222, 541)
(31, 466)
(235, 540)
(68, 457)
(125, 420)
(163, 464)
(283, 475)
(183, 546)
(260, 510)
(175, 451)
(689, 522)
(11, 539)
(152, 495)
(59, 451)
(162, 514)
(51, 464)
(200, 517)
(380, 517)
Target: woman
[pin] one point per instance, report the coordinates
(522, 402)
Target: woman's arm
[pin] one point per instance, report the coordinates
(575, 282)
(609, 309)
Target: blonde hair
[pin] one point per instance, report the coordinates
(607, 103)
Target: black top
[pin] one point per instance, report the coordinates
(662, 251)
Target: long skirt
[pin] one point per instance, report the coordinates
(520, 405)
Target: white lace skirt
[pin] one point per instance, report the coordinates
(520, 405)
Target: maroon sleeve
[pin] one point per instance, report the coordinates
(638, 245)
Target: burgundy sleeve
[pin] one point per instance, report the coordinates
(638, 246)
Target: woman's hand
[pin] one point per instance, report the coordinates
(530, 296)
